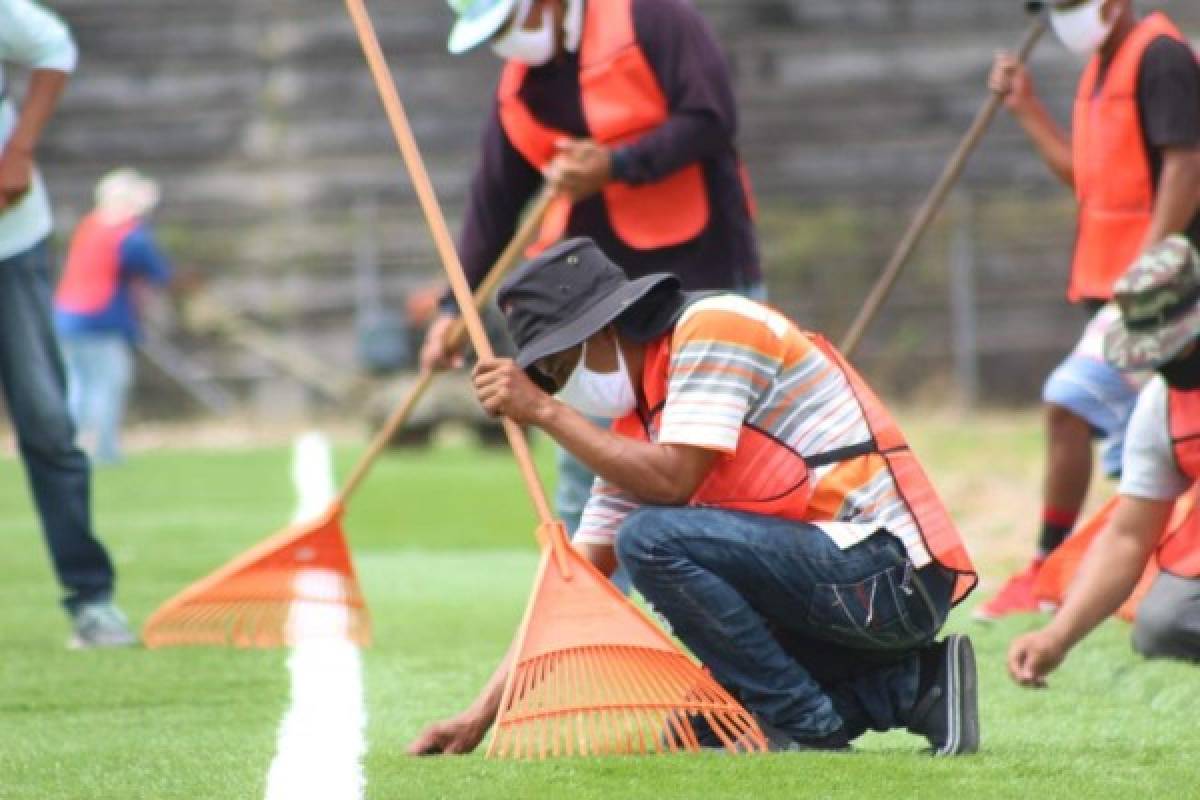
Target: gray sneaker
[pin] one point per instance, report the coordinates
(948, 713)
(100, 625)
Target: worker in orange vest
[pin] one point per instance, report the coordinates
(1133, 161)
(756, 491)
(625, 106)
(1159, 329)
(113, 258)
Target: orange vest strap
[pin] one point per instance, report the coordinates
(765, 476)
(1179, 552)
(92, 271)
(941, 536)
(1113, 181)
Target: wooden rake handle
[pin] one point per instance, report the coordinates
(933, 203)
(407, 143)
(525, 235)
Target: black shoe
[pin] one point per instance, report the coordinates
(777, 740)
(947, 711)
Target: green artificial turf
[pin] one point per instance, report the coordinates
(443, 543)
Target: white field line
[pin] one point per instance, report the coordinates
(322, 738)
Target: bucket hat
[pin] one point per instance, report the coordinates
(1159, 299)
(568, 294)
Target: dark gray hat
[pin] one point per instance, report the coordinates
(568, 294)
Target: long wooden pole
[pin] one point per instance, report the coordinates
(933, 203)
(441, 238)
(525, 235)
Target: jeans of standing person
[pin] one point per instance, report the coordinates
(810, 637)
(34, 387)
(575, 480)
(99, 374)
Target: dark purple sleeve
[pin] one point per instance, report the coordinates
(1169, 94)
(694, 76)
(502, 185)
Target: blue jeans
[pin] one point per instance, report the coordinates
(810, 637)
(35, 391)
(99, 373)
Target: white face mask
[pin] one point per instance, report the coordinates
(599, 394)
(532, 48)
(1082, 29)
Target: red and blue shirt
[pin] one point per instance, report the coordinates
(104, 263)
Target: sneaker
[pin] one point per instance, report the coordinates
(947, 712)
(100, 625)
(779, 741)
(1015, 596)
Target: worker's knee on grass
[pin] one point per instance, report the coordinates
(1156, 632)
(1166, 624)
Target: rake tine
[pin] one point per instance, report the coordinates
(618, 669)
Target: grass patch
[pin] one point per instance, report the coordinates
(443, 542)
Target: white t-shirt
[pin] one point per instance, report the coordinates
(34, 38)
(1149, 470)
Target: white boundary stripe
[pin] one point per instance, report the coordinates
(322, 737)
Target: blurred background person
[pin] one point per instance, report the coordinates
(30, 365)
(1133, 161)
(113, 257)
(1158, 330)
(627, 108)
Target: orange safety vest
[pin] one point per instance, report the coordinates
(1179, 552)
(764, 476)
(622, 101)
(1113, 181)
(92, 273)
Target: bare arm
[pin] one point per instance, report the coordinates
(463, 732)
(1178, 198)
(16, 161)
(1012, 82)
(656, 474)
(1110, 572)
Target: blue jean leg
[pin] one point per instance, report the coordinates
(811, 637)
(99, 374)
(35, 390)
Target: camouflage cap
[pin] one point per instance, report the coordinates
(1159, 299)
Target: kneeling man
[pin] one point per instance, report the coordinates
(1159, 300)
(757, 493)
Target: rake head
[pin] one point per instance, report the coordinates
(594, 676)
(300, 583)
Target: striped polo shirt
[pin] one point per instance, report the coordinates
(734, 362)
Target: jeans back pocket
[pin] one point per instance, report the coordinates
(870, 614)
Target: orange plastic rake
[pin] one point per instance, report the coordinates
(591, 674)
(250, 601)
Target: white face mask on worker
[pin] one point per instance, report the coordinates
(599, 394)
(532, 48)
(1082, 28)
